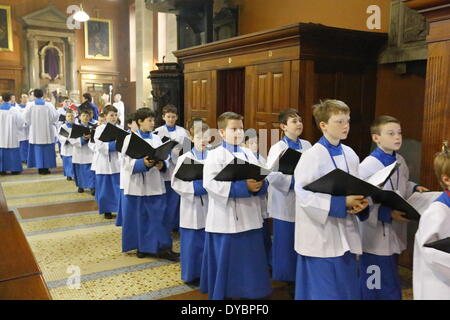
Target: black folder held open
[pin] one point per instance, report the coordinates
(78, 131)
(441, 245)
(288, 161)
(341, 183)
(190, 170)
(138, 148)
(64, 133)
(239, 169)
(114, 133)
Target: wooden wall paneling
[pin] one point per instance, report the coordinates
(11, 79)
(267, 93)
(308, 86)
(436, 117)
(200, 96)
(295, 84)
(268, 89)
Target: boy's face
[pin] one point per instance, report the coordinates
(390, 137)
(13, 100)
(170, 119)
(252, 144)
(293, 126)
(146, 125)
(85, 117)
(338, 126)
(111, 117)
(70, 117)
(24, 100)
(233, 133)
(201, 139)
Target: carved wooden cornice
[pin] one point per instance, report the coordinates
(314, 40)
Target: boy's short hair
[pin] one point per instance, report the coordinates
(223, 119)
(170, 108)
(38, 93)
(143, 113)
(70, 111)
(87, 96)
(109, 108)
(6, 96)
(194, 123)
(375, 128)
(284, 115)
(442, 162)
(130, 118)
(101, 115)
(325, 109)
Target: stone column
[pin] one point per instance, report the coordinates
(33, 62)
(73, 87)
(144, 53)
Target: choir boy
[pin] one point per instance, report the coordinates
(193, 206)
(234, 260)
(282, 199)
(384, 232)
(327, 238)
(431, 269)
(144, 204)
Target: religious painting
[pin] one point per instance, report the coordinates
(6, 39)
(98, 39)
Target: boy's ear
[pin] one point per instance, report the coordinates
(375, 138)
(322, 125)
(446, 180)
(222, 133)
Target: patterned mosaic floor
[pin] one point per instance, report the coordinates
(89, 243)
(86, 242)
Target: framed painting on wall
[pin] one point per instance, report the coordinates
(6, 38)
(98, 39)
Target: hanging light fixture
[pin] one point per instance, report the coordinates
(81, 15)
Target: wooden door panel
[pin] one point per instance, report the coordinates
(200, 96)
(268, 89)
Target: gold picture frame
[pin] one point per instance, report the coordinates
(98, 39)
(6, 34)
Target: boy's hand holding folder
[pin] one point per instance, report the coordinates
(341, 183)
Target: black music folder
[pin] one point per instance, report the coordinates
(441, 245)
(341, 183)
(190, 170)
(62, 118)
(239, 169)
(114, 133)
(163, 139)
(288, 161)
(78, 131)
(138, 148)
(63, 132)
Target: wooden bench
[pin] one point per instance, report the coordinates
(20, 276)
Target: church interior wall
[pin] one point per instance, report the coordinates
(257, 15)
(115, 10)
